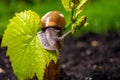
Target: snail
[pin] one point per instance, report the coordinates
(51, 36)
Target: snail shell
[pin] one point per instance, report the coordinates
(53, 19)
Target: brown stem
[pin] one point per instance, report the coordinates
(52, 72)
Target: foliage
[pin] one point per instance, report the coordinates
(75, 7)
(24, 49)
(66, 5)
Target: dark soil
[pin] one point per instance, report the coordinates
(88, 57)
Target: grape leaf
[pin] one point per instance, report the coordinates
(27, 55)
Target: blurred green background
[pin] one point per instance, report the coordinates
(103, 15)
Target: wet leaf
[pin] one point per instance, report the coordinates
(27, 55)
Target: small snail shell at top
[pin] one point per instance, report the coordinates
(53, 19)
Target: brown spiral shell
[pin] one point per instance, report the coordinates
(53, 19)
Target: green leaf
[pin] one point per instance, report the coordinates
(66, 5)
(27, 55)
